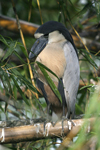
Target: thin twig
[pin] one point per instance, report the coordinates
(30, 11)
(40, 11)
(23, 40)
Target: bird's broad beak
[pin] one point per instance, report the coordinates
(37, 47)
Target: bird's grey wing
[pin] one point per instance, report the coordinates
(71, 78)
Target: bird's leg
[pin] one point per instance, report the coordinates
(48, 118)
(49, 113)
(71, 120)
(63, 119)
(48, 109)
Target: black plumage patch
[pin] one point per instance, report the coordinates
(51, 26)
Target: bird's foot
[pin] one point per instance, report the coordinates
(70, 124)
(47, 123)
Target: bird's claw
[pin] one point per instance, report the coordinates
(48, 122)
(70, 124)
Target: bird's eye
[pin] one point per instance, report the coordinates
(46, 35)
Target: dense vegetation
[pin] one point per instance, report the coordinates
(82, 18)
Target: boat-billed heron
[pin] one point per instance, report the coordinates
(55, 49)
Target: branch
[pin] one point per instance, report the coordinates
(11, 25)
(30, 28)
(35, 131)
(93, 45)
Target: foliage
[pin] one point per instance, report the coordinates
(15, 81)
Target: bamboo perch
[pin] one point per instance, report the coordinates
(30, 28)
(11, 25)
(36, 131)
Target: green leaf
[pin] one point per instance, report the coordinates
(88, 58)
(97, 7)
(10, 50)
(22, 79)
(20, 91)
(87, 86)
(6, 81)
(2, 39)
(47, 69)
(23, 49)
(84, 9)
(15, 91)
(50, 82)
(2, 109)
(19, 57)
(79, 108)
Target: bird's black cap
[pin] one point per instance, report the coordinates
(51, 26)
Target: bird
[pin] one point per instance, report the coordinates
(54, 48)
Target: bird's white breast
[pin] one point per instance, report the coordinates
(52, 57)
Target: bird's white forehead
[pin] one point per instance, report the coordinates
(38, 35)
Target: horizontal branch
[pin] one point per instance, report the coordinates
(30, 28)
(11, 25)
(92, 45)
(36, 131)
